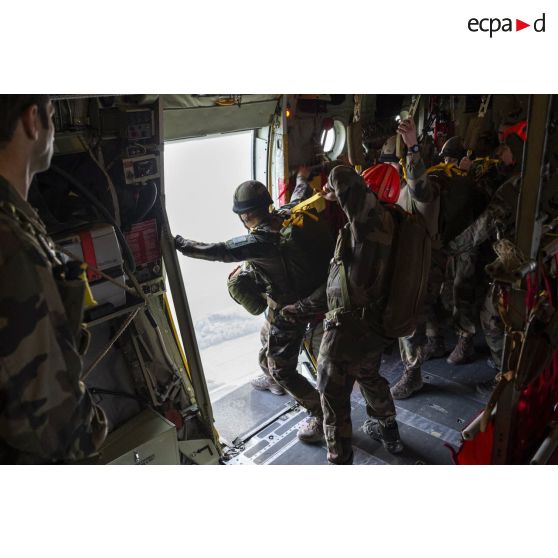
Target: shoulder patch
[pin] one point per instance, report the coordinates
(239, 241)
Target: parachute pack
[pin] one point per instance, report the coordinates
(461, 201)
(305, 244)
(409, 269)
(409, 273)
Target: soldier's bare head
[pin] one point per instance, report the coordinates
(26, 137)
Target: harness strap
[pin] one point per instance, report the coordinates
(338, 258)
(32, 227)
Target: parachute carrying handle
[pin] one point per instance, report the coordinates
(300, 210)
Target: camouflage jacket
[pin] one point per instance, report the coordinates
(46, 413)
(500, 213)
(449, 200)
(489, 174)
(421, 194)
(302, 191)
(366, 254)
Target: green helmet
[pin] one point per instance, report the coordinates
(250, 195)
(453, 148)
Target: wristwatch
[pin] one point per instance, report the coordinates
(413, 149)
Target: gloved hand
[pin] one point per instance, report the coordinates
(180, 243)
(293, 313)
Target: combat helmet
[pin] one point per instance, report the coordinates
(453, 148)
(384, 181)
(250, 195)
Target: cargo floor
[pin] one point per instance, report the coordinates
(260, 428)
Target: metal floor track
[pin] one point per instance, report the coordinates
(430, 421)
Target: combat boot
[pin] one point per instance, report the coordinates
(312, 430)
(435, 347)
(410, 382)
(385, 431)
(464, 351)
(265, 382)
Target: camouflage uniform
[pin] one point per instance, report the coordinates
(500, 214)
(446, 212)
(423, 196)
(488, 176)
(47, 414)
(302, 191)
(353, 343)
(281, 343)
(493, 326)
(281, 339)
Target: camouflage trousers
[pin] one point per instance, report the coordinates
(312, 341)
(439, 298)
(351, 352)
(464, 293)
(430, 318)
(492, 326)
(281, 343)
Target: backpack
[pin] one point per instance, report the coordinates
(306, 243)
(409, 269)
(298, 260)
(461, 201)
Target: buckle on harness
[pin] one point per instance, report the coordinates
(331, 320)
(336, 317)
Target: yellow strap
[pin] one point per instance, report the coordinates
(298, 212)
(89, 299)
(308, 203)
(485, 163)
(403, 166)
(450, 169)
(175, 335)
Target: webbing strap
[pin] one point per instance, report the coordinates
(32, 227)
(414, 106)
(89, 255)
(415, 100)
(485, 101)
(299, 211)
(357, 108)
(338, 258)
(449, 169)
